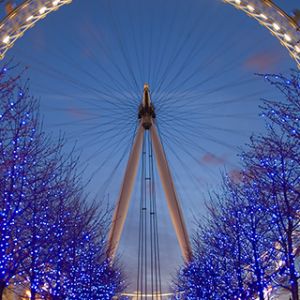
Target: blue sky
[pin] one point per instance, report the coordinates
(88, 63)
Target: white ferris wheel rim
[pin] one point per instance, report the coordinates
(269, 15)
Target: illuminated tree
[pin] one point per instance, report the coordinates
(18, 150)
(224, 240)
(217, 270)
(52, 241)
(47, 219)
(285, 113)
(246, 203)
(273, 165)
(251, 238)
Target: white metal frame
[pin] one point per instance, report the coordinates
(171, 195)
(147, 122)
(122, 206)
(125, 194)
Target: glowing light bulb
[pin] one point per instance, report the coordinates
(55, 2)
(29, 18)
(251, 8)
(276, 26)
(42, 10)
(264, 16)
(6, 39)
(287, 37)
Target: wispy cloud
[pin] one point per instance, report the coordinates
(262, 61)
(212, 159)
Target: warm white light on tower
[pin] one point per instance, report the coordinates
(264, 16)
(287, 37)
(276, 26)
(6, 39)
(42, 10)
(251, 8)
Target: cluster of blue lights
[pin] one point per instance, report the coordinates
(249, 246)
(50, 239)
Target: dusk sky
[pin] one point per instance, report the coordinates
(88, 63)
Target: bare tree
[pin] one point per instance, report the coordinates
(272, 165)
(258, 218)
(18, 148)
(52, 241)
(284, 111)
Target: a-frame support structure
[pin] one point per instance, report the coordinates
(147, 122)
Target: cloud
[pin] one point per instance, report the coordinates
(212, 159)
(262, 61)
(77, 113)
(235, 175)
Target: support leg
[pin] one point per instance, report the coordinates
(125, 194)
(171, 196)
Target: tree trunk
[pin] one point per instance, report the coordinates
(258, 286)
(292, 269)
(295, 288)
(293, 277)
(2, 288)
(257, 272)
(33, 294)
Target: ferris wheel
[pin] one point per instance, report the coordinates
(148, 139)
(284, 27)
